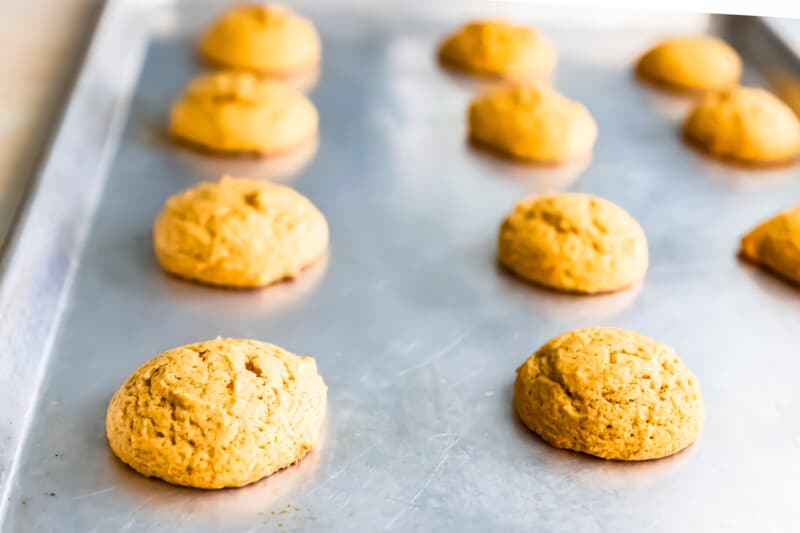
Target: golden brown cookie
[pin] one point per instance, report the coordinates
(498, 48)
(527, 122)
(610, 392)
(787, 87)
(698, 63)
(238, 114)
(239, 233)
(214, 414)
(263, 38)
(775, 244)
(573, 242)
(747, 125)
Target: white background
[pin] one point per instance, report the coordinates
(778, 8)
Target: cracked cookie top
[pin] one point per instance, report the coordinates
(573, 242)
(498, 48)
(524, 121)
(265, 38)
(220, 413)
(237, 113)
(610, 392)
(239, 233)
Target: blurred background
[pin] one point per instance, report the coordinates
(42, 43)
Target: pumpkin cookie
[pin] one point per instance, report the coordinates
(775, 244)
(239, 233)
(573, 242)
(239, 114)
(691, 64)
(215, 414)
(528, 122)
(610, 392)
(746, 124)
(498, 48)
(262, 38)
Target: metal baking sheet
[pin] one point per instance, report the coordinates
(416, 331)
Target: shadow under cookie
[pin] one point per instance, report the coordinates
(209, 151)
(511, 274)
(673, 88)
(701, 148)
(566, 307)
(317, 268)
(303, 78)
(581, 161)
(544, 177)
(491, 77)
(592, 462)
(768, 270)
(604, 474)
(238, 503)
(282, 167)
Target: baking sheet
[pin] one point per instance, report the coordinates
(415, 330)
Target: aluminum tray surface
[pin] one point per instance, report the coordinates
(416, 331)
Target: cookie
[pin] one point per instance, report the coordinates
(573, 242)
(498, 48)
(239, 233)
(610, 392)
(687, 64)
(747, 125)
(775, 244)
(236, 113)
(787, 87)
(215, 414)
(266, 39)
(527, 122)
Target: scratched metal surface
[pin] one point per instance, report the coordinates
(416, 331)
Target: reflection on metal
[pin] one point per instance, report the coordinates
(416, 331)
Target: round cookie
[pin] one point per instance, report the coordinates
(239, 233)
(610, 392)
(691, 64)
(215, 414)
(775, 244)
(573, 242)
(746, 124)
(498, 48)
(527, 122)
(239, 114)
(264, 38)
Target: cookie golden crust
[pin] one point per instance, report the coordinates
(236, 113)
(239, 233)
(263, 38)
(573, 242)
(498, 48)
(775, 244)
(527, 122)
(214, 414)
(611, 393)
(688, 64)
(747, 125)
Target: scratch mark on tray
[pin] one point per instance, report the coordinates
(436, 469)
(131, 516)
(94, 493)
(347, 465)
(436, 355)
